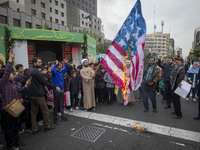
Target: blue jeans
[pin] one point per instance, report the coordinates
(148, 92)
(194, 91)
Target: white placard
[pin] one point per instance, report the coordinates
(184, 89)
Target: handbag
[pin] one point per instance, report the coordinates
(14, 108)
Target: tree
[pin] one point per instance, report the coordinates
(195, 54)
(102, 47)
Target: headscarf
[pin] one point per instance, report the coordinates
(194, 70)
(82, 61)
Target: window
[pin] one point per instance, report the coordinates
(86, 24)
(62, 14)
(86, 3)
(3, 19)
(82, 15)
(50, 9)
(82, 22)
(16, 22)
(28, 25)
(18, 9)
(33, 12)
(83, 1)
(95, 26)
(56, 2)
(42, 5)
(51, 19)
(98, 28)
(17, 1)
(33, 1)
(50, 1)
(56, 11)
(93, 8)
(62, 5)
(56, 20)
(63, 23)
(90, 5)
(43, 15)
(86, 10)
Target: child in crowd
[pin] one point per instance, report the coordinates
(74, 90)
(110, 86)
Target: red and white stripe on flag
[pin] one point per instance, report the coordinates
(114, 63)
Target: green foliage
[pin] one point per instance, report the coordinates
(9, 43)
(195, 54)
(45, 27)
(84, 47)
(102, 48)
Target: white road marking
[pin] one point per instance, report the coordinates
(155, 128)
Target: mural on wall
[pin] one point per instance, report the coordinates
(48, 35)
(2, 43)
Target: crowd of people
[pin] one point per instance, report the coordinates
(88, 84)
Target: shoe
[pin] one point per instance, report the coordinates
(173, 113)
(15, 148)
(146, 110)
(167, 107)
(40, 123)
(177, 117)
(59, 114)
(20, 143)
(155, 110)
(197, 118)
(21, 131)
(93, 109)
(65, 112)
(56, 123)
(35, 131)
(77, 108)
(194, 100)
(187, 99)
(65, 118)
(85, 110)
(28, 130)
(49, 128)
(71, 109)
(1, 146)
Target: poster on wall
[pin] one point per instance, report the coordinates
(91, 46)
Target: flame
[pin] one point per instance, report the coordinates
(138, 128)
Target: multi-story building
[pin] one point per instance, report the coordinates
(196, 37)
(89, 6)
(158, 43)
(171, 41)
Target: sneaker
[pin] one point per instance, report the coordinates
(155, 110)
(194, 100)
(59, 114)
(65, 112)
(85, 110)
(35, 131)
(40, 123)
(77, 108)
(21, 131)
(187, 99)
(71, 109)
(49, 128)
(93, 109)
(28, 130)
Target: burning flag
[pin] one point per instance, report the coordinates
(131, 35)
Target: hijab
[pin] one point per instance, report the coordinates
(194, 70)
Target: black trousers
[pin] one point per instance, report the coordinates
(74, 100)
(168, 93)
(27, 114)
(58, 103)
(101, 95)
(11, 129)
(177, 103)
(110, 95)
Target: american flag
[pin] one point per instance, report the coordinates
(131, 35)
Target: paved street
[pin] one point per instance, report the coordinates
(120, 137)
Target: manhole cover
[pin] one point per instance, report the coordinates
(89, 133)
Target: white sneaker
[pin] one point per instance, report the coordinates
(187, 99)
(40, 123)
(71, 109)
(77, 108)
(65, 112)
(194, 100)
(59, 114)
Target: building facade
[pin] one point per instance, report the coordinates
(158, 43)
(89, 6)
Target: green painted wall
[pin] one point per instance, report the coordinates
(91, 46)
(2, 43)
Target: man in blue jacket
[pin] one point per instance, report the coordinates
(167, 69)
(58, 80)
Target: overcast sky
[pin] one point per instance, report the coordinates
(181, 17)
